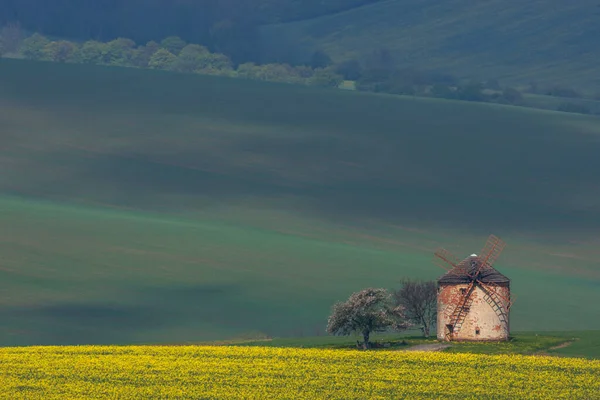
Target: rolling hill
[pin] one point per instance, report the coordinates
(547, 41)
(143, 206)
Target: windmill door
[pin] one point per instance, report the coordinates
(449, 330)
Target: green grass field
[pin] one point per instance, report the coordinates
(506, 40)
(149, 207)
(580, 344)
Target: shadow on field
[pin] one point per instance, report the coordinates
(179, 311)
(506, 200)
(77, 323)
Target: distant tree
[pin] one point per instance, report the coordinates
(325, 77)
(533, 87)
(407, 81)
(380, 60)
(442, 91)
(270, 72)
(247, 70)
(277, 73)
(141, 56)
(174, 44)
(33, 47)
(190, 58)
(350, 70)
(511, 96)
(152, 47)
(11, 37)
(370, 310)
(89, 52)
(412, 76)
(212, 63)
(374, 80)
(162, 59)
(60, 51)
(573, 108)
(399, 87)
(492, 84)
(419, 300)
(118, 52)
(559, 91)
(304, 71)
(435, 77)
(471, 92)
(320, 59)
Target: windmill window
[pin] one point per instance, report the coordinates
(463, 291)
(477, 331)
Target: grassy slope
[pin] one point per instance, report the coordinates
(77, 275)
(545, 102)
(572, 343)
(272, 202)
(513, 41)
(581, 344)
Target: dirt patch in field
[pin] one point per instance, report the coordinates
(557, 347)
(562, 345)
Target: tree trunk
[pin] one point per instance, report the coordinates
(425, 327)
(366, 339)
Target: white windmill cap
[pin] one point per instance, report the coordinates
(473, 255)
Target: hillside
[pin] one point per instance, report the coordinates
(133, 201)
(147, 20)
(549, 41)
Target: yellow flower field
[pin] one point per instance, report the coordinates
(262, 373)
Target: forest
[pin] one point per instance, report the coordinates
(379, 72)
(224, 26)
(221, 37)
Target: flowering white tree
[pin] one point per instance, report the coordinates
(367, 311)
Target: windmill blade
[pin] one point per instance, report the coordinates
(491, 251)
(512, 300)
(459, 313)
(492, 291)
(462, 301)
(445, 260)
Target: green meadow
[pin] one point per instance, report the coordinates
(580, 344)
(142, 206)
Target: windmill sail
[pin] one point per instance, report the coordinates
(491, 251)
(445, 260)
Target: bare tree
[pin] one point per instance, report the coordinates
(419, 299)
(367, 311)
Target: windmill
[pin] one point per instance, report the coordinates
(474, 299)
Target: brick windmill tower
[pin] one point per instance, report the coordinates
(474, 299)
